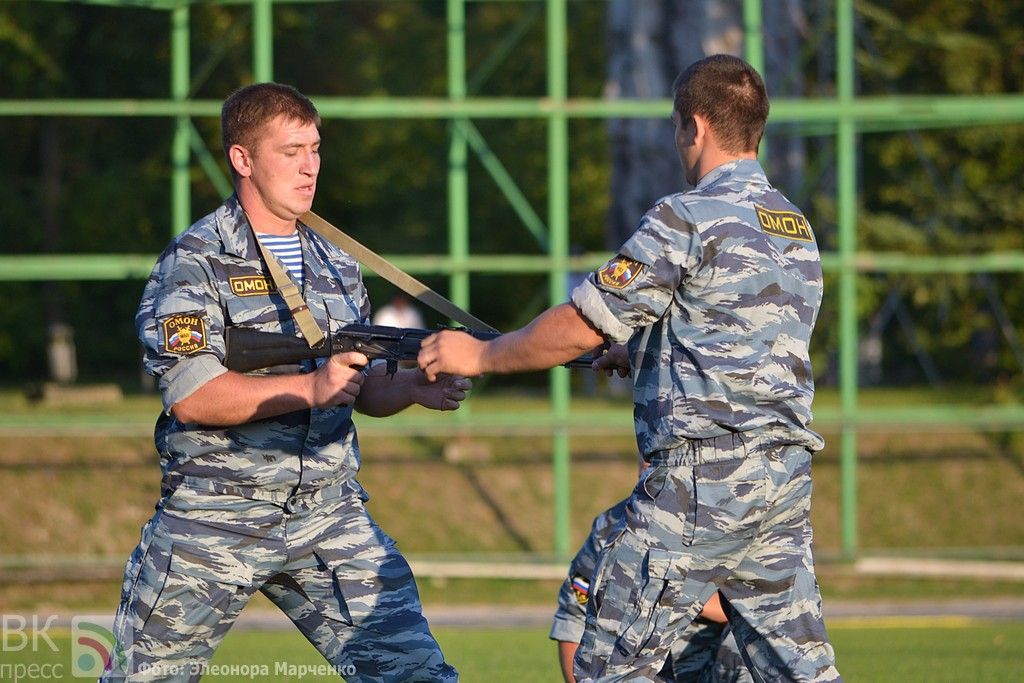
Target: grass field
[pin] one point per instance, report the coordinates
(908, 652)
(948, 492)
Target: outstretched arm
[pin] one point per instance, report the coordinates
(554, 337)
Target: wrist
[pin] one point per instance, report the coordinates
(419, 391)
(486, 358)
(307, 389)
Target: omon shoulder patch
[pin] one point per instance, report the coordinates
(619, 272)
(184, 333)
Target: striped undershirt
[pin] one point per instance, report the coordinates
(288, 250)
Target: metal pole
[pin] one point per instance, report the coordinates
(753, 50)
(753, 41)
(846, 140)
(262, 40)
(458, 179)
(181, 199)
(558, 224)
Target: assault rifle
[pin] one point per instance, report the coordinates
(248, 349)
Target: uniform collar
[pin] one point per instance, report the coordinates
(738, 167)
(239, 239)
(235, 232)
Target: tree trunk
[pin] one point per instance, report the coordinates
(649, 43)
(61, 349)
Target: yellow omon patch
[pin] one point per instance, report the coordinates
(251, 285)
(788, 224)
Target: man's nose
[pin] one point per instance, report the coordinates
(310, 163)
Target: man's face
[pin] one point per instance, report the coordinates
(685, 145)
(285, 165)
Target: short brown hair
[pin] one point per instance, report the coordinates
(730, 94)
(247, 110)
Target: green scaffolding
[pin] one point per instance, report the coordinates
(844, 115)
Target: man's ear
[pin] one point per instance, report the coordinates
(701, 130)
(241, 160)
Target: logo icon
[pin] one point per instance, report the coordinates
(581, 587)
(92, 647)
(184, 333)
(619, 272)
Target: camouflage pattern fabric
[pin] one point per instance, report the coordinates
(731, 515)
(210, 277)
(335, 573)
(270, 505)
(725, 305)
(704, 652)
(716, 295)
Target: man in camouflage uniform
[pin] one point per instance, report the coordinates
(715, 295)
(705, 652)
(259, 489)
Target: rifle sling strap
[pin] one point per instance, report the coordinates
(392, 273)
(290, 291)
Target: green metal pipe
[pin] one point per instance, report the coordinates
(458, 174)
(40, 267)
(181, 191)
(587, 421)
(884, 113)
(209, 165)
(558, 240)
(262, 40)
(503, 179)
(753, 40)
(847, 210)
(753, 51)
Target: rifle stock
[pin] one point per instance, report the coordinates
(247, 349)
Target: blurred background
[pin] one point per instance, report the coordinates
(499, 151)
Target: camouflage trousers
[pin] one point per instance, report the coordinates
(327, 565)
(731, 514)
(705, 652)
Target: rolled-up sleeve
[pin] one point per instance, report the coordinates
(591, 304)
(570, 619)
(636, 287)
(186, 376)
(180, 323)
(571, 616)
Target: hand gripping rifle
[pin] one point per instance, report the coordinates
(248, 349)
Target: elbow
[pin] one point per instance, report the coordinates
(182, 413)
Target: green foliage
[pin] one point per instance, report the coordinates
(950, 191)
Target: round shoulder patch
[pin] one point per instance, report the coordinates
(619, 272)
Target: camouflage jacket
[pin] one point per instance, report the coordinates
(716, 294)
(210, 277)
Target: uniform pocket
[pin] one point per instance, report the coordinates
(730, 499)
(376, 592)
(193, 592)
(663, 574)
